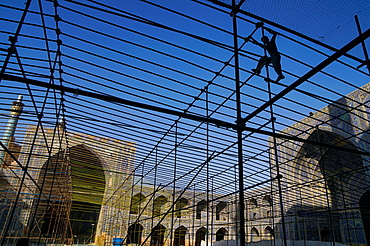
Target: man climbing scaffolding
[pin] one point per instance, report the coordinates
(275, 58)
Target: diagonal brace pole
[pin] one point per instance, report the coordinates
(309, 74)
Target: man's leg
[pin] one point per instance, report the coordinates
(277, 66)
(262, 62)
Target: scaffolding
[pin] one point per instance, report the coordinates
(150, 123)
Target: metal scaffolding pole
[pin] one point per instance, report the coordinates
(239, 128)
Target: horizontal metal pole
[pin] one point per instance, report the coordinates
(298, 34)
(309, 74)
(198, 118)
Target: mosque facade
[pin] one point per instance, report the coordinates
(85, 194)
(326, 191)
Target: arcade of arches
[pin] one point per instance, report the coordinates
(183, 235)
(159, 234)
(180, 237)
(332, 166)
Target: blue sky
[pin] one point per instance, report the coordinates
(152, 65)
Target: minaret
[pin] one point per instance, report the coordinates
(15, 112)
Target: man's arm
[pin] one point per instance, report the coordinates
(273, 38)
(255, 42)
(274, 34)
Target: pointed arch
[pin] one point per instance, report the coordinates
(157, 237)
(87, 181)
(324, 134)
(88, 188)
(325, 234)
(253, 203)
(134, 234)
(219, 207)
(201, 206)
(338, 169)
(179, 236)
(200, 235)
(255, 235)
(157, 205)
(267, 200)
(180, 205)
(269, 233)
(136, 200)
(220, 234)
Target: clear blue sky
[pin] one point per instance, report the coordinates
(138, 61)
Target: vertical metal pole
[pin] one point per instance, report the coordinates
(277, 167)
(208, 239)
(154, 185)
(326, 187)
(367, 61)
(239, 128)
(212, 209)
(174, 187)
(237, 234)
(194, 216)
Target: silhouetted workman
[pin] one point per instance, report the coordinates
(275, 58)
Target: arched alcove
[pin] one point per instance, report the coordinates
(337, 166)
(88, 187)
(201, 206)
(180, 205)
(134, 233)
(220, 234)
(136, 200)
(86, 180)
(269, 233)
(179, 236)
(157, 237)
(157, 205)
(253, 203)
(267, 201)
(200, 236)
(219, 207)
(325, 234)
(255, 235)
